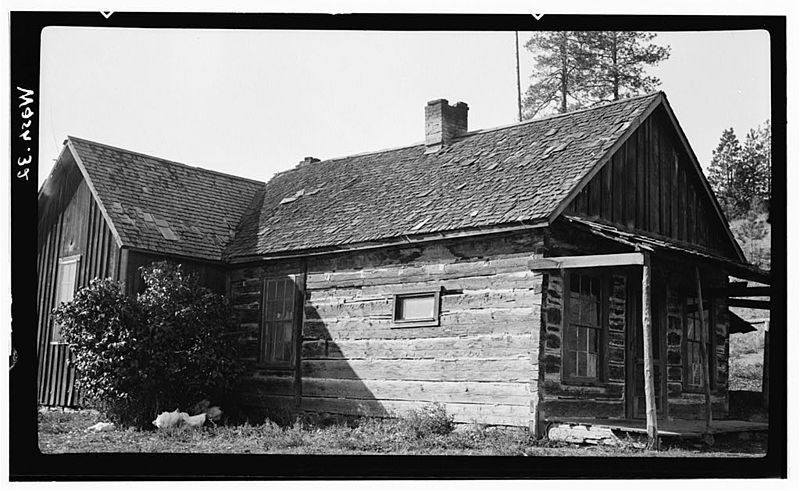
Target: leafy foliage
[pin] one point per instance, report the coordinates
(741, 175)
(575, 69)
(166, 349)
(619, 59)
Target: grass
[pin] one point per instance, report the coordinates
(746, 361)
(64, 432)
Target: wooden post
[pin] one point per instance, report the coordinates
(765, 368)
(647, 341)
(704, 351)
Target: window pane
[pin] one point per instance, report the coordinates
(572, 338)
(592, 340)
(574, 283)
(585, 283)
(581, 339)
(421, 307)
(591, 365)
(581, 365)
(575, 307)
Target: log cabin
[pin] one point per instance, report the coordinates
(556, 270)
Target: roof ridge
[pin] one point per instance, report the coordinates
(480, 131)
(161, 159)
(561, 115)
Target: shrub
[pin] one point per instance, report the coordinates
(163, 350)
(431, 419)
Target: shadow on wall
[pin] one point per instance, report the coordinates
(318, 380)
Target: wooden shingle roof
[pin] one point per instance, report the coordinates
(162, 206)
(521, 173)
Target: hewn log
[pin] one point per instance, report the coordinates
(647, 339)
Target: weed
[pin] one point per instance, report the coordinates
(431, 419)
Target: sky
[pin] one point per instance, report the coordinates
(253, 103)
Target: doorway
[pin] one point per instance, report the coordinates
(635, 396)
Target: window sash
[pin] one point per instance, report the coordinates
(584, 332)
(693, 366)
(66, 278)
(278, 332)
(400, 309)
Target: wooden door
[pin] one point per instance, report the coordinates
(635, 406)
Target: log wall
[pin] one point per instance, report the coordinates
(481, 361)
(685, 403)
(562, 399)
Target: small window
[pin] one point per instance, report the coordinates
(584, 331)
(417, 309)
(65, 289)
(277, 340)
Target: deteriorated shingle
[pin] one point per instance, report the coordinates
(164, 206)
(486, 178)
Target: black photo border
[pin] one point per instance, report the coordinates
(27, 463)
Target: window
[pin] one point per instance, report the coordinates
(277, 340)
(694, 367)
(584, 333)
(65, 288)
(416, 309)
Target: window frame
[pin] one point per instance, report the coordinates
(601, 379)
(710, 347)
(434, 321)
(297, 314)
(55, 330)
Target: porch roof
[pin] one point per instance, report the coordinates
(638, 241)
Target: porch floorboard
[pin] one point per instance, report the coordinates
(676, 428)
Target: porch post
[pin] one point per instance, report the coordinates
(647, 341)
(704, 350)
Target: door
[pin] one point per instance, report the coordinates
(636, 405)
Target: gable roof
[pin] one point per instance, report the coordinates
(163, 206)
(517, 174)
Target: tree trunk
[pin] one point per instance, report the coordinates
(615, 67)
(564, 72)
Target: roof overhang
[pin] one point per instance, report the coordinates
(668, 249)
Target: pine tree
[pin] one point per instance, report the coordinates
(619, 59)
(575, 69)
(721, 172)
(562, 67)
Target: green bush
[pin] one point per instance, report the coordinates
(163, 350)
(431, 419)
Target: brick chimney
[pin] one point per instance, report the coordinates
(443, 123)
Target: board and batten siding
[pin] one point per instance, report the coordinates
(70, 224)
(651, 186)
(480, 362)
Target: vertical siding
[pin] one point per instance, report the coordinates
(70, 223)
(650, 185)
